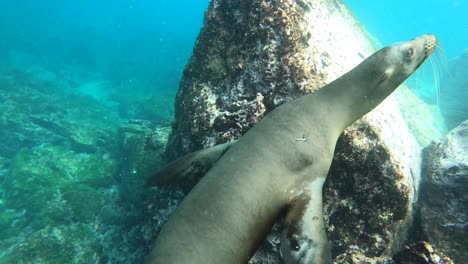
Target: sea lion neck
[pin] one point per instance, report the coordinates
(363, 88)
(352, 95)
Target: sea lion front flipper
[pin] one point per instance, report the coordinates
(303, 239)
(186, 171)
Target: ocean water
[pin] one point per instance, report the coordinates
(440, 84)
(398, 20)
(130, 44)
(79, 81)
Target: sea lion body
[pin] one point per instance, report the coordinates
(233, 209)
(278, 168)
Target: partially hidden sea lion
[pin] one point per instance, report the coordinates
(277, 169)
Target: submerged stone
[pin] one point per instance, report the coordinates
(444, 200)
(49, 182)
(421, 253)
(141, 145)
(75, 243)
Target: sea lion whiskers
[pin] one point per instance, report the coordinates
(429, 46)
(436, 79)
(440, 67)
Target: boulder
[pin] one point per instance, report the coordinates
(252, 56)
(76, 243)
(444, 200)
(141, 145)
(372, 186)
(59, 198)
(49, 185)
(421, 252)
(33, 112)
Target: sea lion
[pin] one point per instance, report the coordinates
(187, 171)
(278, 169)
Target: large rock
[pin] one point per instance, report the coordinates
(33, 112)
(252, 56)
(425, 121)
(141, 146)
(421, 252)
(371, 187)
(51, 185)
(444, 200)
(59, 198)
(76, 243)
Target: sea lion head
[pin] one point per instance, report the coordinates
(386, 69)
(402, 59)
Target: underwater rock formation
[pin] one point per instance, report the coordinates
(424, 121)
(141, 146)
(59, 188)
(76, 243)
(47, 190)
(52, 185)
(454, 91)
(371, 187)
(252, 56)
(444, 200)
(420, 253)
(34, 112)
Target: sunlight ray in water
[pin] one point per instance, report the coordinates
(436, 79)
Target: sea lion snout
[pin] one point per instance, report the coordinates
(430, 43)
(399, 61)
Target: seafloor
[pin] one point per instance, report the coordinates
(67, 173)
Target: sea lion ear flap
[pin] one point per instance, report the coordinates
(186, 171)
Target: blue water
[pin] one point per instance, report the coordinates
(393, 21)
(72, 73)
(148, 41)
(441, 84)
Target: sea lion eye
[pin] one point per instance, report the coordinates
(409, 52)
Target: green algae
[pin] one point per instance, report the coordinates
(142, 146)
(85, 202)
(50, 182)
(61, 197)
(63, 244)
(32, 112)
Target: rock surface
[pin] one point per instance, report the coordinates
(425, 121)
(421, 253)
(371, 187)
(252, 56)
(444, 200)
(141, 145)
(33, 111)
(67, 192)
(63, 244)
